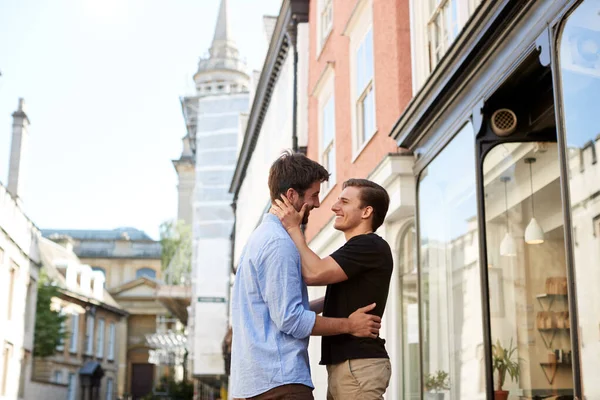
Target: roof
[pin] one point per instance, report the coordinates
(101, 234)
(50, 254)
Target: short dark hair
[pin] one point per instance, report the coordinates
(295, 171)
(373, 195)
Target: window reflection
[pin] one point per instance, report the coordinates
(527, 271)
(579, 62)
(450, 282)
(410, 314)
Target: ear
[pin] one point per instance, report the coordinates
(292, 195)
(367, 212)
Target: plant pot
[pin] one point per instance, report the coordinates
(434, 396)
(501, 395)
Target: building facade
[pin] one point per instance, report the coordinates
(86, 363)
(359, 81)
(505, 176)
(19, 270)
(130, 262)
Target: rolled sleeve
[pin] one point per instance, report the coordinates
(281, 289)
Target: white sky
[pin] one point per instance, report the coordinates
(102, 80)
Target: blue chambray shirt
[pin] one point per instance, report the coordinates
(271, 319)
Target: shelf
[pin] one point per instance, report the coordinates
(550, 298)
(554, 368)
(551, 332)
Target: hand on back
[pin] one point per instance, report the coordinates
(363, 324)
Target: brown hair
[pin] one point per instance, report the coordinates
(295, 171)
(373, 195)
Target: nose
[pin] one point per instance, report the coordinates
(317, 203)
(335, 206)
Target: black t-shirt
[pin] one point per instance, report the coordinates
(367, 261)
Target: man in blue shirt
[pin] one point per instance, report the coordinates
(271, 319)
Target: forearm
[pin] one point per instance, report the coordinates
(317, 305)
(330, 326)
(311, 262)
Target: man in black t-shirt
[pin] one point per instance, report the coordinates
(358, 274)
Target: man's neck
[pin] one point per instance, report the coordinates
(358, 230)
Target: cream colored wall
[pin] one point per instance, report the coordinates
(122, 270)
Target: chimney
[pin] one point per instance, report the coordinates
(18, 152)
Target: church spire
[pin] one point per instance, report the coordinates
(222, 30)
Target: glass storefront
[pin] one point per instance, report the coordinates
(579, 70)
(451, 325)
(518, 209)
(527, 273)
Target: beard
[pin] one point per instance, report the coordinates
(298, 206)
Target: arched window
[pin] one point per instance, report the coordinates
(409, 319)
(149, 272)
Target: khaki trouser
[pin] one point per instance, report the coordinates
(363, 379)
(285, 392)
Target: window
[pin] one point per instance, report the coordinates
(89, 335)
(578, 61)
(74, 333)
(328, 142)
(72, 389)
(12, 278)
(100, 339)
(30, 305)
(148, 272)
(61, 343)
(325, 20)
(435, 26)
(58, 376)
(450, 290)
(6, 356)
(23, 375)
(365, 96)
(409, 379)
(109, 389)
(111, 341)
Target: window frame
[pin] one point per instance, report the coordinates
(111, 341)
(74, 337)
(100, 338)
(358, 29)
(325, 8)
(89, 335)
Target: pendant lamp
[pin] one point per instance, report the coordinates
(533, 233)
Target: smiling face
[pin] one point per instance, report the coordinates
(349, 213)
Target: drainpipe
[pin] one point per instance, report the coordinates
(293, 38)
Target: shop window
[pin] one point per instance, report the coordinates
(450, 295)
(579, 78)
(527, 272)
(450, 290)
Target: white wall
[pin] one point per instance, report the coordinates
(19, 242)
(216, 149)
(275, 136)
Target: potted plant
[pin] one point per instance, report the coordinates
(503, 362)
(435, 383)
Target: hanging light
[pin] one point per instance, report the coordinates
(508, 247)
(533, 233)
